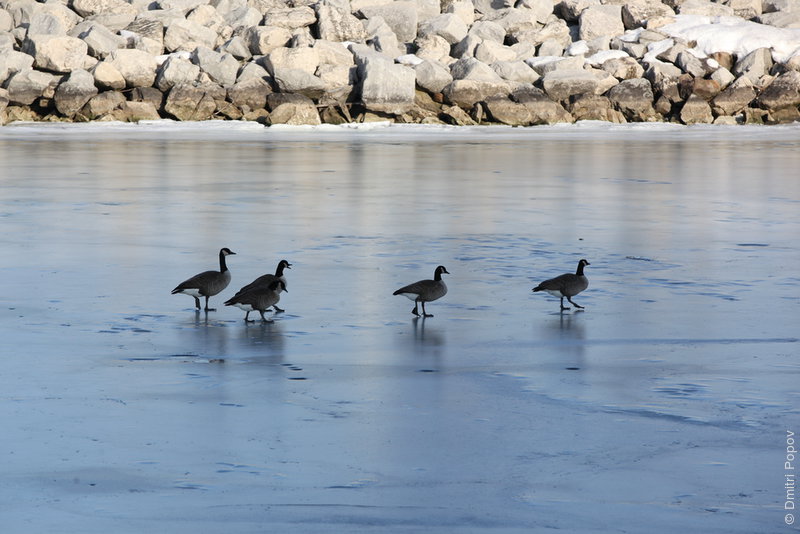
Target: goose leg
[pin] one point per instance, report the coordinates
(573, 303)
(264, 319)
(277, 309)
(424, 314)
(246, 315)
(207, 308)
(414, 311)
(562, 304)
(196, 302)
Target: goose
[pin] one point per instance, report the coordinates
(425, 290)
(267, 279)
(208, 283)
(566, 285)
(259, 299)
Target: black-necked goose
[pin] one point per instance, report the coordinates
(267, 279)
(259, 299)
(566, 285)
(425, 290)
(208, 283)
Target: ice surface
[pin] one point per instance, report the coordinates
(661, 408)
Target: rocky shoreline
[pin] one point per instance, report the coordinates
(460, 62)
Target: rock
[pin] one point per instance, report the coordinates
(401, 16)
(457, 116)
(174, 71)
(492, 52)
(705, 88)
(188, 102)
(634, 99)
(381, 37)
(545, 65)
(432, 76)
(290, 18)
(781, 19)
(107, 76)
(149, 28)
(747, 9)
(56, 53)
(570, 10)
(295, 114)
(137, 67)
(725, 59)
(659, 71)
(249, 94)
(12, 62)
(221, 68)
(448, 26)
(237, 47)
(90, 8)
(624, 68)
(599, 21)
(562, 84)
(735, 98)
(696, 111)
(136, 111)
(514, 20)
(467, 93)
(723, 77)
(26, 86)
(594, 108)
(74, 92)
(515, 71)
(102, 104)
(487, 30)
(385, 87)
(99, 40)
(691, 64)
(783, 92)
(472, 69)
(754, 65)
(506, 111)
(433, 48)
(464, 48)
(705, 8)
(541, 108)
(335, 22)
(46, 23)
(636, 14)
(300, 82)
(262, 40)
(185, 35)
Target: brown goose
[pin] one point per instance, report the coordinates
(425, 291)
(259, 299)
(566, 285)
(267, 279)
(208, 283)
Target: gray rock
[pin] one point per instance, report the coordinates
(457, 116)
(464, 9)
(492, 52)
(781, 19)
(782, 93)
(150, 28)
(250, 94)
(600, 21)
(74, 92)
(595, 108)
(7, 41)
(6, 21)
(465, 48)
(487, 30)
(89, 8)
(176, 70)
(101, 105)
(305, 59)
(335, 22)
(56, 53)
(385, 87)
(691, 64)
(136, 112)
(290, 18)
(107, 76)
(506, 111)
(723, 77)
(137, 67)
(747, 9)
(432, 76)
(514, 20)
(188, 102)
(658, 71)
(754, 65)
(298, 81)
(544, 65)
(560, 85)
(221, 68)
(46, 23)
(635, 14)
(705, 8)
(634, 99)
(295, 114)
(100, 40)
(472, 69)
(515, 71)
(624, 68)
(543, 110)
(696, 111)
(401, 16)
(12, 62)
(185, 35)
(237, 47)
(381, 37)
(570, 10)
(434, 48)
(262, 40)
(25, 87)
(467, 93)
(447, 25)
(253, 71)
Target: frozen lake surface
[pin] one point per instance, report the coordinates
(663, 407)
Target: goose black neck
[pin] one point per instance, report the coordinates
(222, 266)
(437, 275)
(279, 270)
(579, 272)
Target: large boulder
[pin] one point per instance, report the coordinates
(783, 92)
(107, 76)
(400, 16)
(185, 35)
(335, 22)
(137, 67)
(100, 40)
(467, 93)
(221, 68)
(601, 21)
(12, 62)
(300, 82)
(291, 18)
(264, 39)
(295, 113)
(696, 111)
(385, 86)
(432, 76)
(26, 86)
(176, 70)
(303, 58)
(190, 102)
(543, 110)
(74, 92)
(102, 105)
(447, 25)
(595, 108)
(250, 94)
(504, 110)
(634, 99)
(56, 53)
(562, 84)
